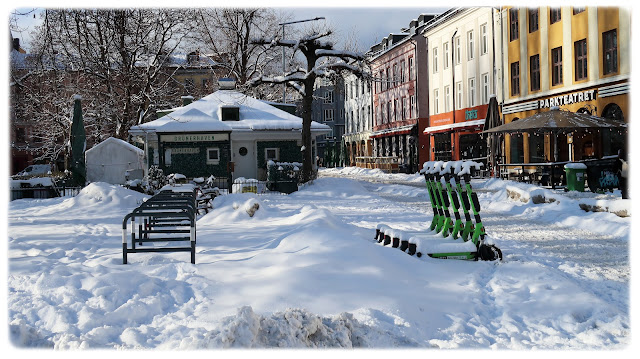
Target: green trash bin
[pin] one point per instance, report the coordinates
(575, 176)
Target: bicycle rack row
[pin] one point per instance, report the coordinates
(169, 216)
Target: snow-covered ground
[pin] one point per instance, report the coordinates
(304, 271)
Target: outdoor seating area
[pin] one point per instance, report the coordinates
(168, 217)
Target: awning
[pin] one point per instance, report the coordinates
(402, 130)
(455, 126)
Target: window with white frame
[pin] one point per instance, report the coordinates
(405, 108)
(414, 110)
(328, 96)
(328, 115)
(458, 50)
(436, 101)
(459, 95)
(403, 78)
(272, 154)
(447, 98)
(389, 113)
(484, 44)
(412, 75)
(485, 88)
(435, 60)
(213, 156)
(396, 109)
(445, 52)
(395, 74)
(472, 92)
(470, 45)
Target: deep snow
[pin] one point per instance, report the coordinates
(304, 271)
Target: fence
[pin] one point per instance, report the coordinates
(43, 192)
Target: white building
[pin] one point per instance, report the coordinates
(225, 134)
(358, 118)
(463, 69)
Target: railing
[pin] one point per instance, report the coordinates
(387, 164)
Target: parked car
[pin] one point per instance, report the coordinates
(34, 170)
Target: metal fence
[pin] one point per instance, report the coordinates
(43, 192)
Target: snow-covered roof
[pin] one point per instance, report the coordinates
(204, 115)
(119, 142)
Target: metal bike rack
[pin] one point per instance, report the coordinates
(169, 216)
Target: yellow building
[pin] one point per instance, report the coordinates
(575, 58)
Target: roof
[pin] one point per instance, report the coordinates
(205, 115)
(119, 142)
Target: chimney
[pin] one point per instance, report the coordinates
(226, 84)
(186, 100)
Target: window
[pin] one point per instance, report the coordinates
(188, 84)
(389, 112)
(447, 97)
(445, 51)
(328, 115)
(436, 101)
(470, 47)
(484, 45)
(382, 81)
(403, 78)
(534, 72)
(411, 70)
(472, 92)
(577, 10)
(342, 113)
(273, 154)
(167, 157)
(405, 108)
(555, 15)
(458, 50)
(395, 74)
(328, 96)
(515, 78)
(580, 48)
(414, 111)
(533, 20)
(513, 21)
(458, 95)
(485, 88)
(435, 60)
(556, 66)
(610, 55)
(21, 135)
(213, 156)
(395, 110)
(389, 78)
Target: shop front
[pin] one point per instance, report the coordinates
(609, 102)
(458, 137)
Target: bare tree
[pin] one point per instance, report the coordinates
(322, 61)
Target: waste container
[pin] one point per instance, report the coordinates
(575, 176)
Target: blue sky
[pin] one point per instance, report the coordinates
(369, 23)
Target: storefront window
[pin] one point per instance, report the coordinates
(472, 146)
(442, 144)
(516, 147)
(536, 148)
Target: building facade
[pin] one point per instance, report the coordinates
(575, 58)
(358, 120)
(328, 108)
(462, 66)
(399, 112)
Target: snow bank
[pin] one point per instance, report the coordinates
(369, 174)
(298, 328)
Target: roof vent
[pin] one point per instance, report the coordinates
(226, 84)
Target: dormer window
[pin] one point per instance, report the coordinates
(230, 113)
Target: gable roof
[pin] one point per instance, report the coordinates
(119, 142)
(205, 115)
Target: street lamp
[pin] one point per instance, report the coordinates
(284, 99)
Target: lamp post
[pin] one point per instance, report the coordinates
(284, 99)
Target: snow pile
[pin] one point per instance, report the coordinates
(297, 328)
(370, 174)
